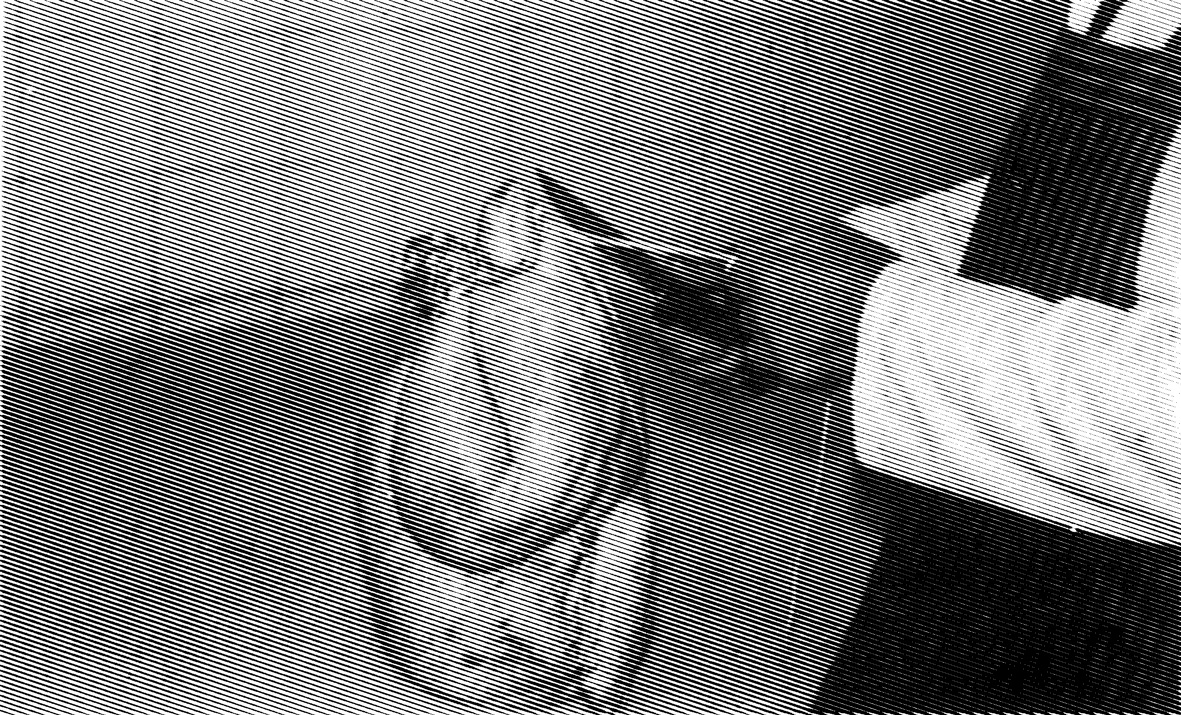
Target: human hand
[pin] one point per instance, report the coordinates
(803, 311)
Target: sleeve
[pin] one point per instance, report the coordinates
(1066, 411)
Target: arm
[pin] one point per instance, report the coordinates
(1057, 410)
(1066, 410)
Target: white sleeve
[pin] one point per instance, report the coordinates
(1060, 410)
(1065, 411)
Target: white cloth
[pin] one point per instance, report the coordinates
(1068, 411)
(1146, 24)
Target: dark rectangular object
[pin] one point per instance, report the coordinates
(1065, 208)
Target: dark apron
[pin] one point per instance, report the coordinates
(976, 608)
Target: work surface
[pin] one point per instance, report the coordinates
(180, 534)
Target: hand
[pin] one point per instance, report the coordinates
(801, 312)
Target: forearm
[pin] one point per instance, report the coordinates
(1060, 410)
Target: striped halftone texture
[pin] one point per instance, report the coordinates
(1021, 402)
(206, 205)
(509, 445)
